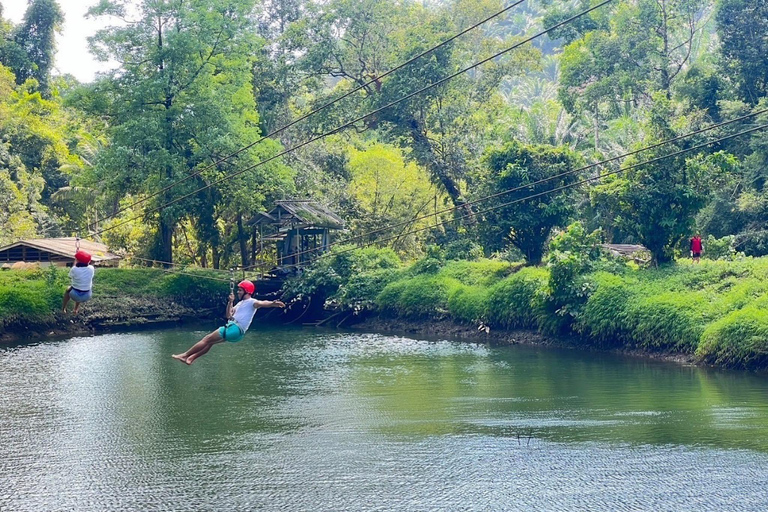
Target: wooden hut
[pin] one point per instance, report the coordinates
(54, 251)
(300, 229)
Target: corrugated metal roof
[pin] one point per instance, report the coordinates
(67, 247)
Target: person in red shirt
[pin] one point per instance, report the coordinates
(696, 248)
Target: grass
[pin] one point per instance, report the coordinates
(714, 310)
(717, 310)
(32, 297)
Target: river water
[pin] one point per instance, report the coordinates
(318, 420)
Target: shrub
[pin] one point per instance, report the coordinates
(418, 297)
(469, 304)
(478, 273)
(34, 302)
(463, 249)
(605, 316)
(738, 340)
(672, 320)
(720, 249)
(195, 292)
(326, 275)
(361, 290)
(516, 302)
(426, 266)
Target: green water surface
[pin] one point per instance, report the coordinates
(293, 419)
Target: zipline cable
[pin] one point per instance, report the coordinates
(557, 189)
(411, 95)
(315, 111)
(509, 203)
(538, 182)
(171, 264)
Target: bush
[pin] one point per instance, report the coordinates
(195, 292)
(720, 249)
(738, 340)
(469, 304)
(32, 303)
(361, 290)
(421, 296)
(605, 317)
(326, 275)
(479, 273)
(517, 301)
(463, 250)
(426, 266)
(670, 321)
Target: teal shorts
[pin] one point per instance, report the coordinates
(231, 332)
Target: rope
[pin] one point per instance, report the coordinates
(572, 185)
(532, 184)
(374, 112)
(315, 111)
(183, 265)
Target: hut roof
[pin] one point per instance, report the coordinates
(58, 249)
(303, 212)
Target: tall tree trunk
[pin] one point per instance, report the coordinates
(242, 238)
(166, 241)
(216, 256)
(439, 170)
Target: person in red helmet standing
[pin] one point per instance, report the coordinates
(81, 281)
(240, 317)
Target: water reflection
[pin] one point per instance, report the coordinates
(308, 420)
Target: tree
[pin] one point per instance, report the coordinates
(526, 223)
(646, 47)
(656, 203)
(388, 190)
(42, 137)
(182, 100)
(742, 25)
(355, 42)
(36, 37)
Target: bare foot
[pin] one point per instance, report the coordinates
(180, 357)
(189, 360)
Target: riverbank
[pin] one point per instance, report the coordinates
(448, 329)
(105, 314)
(714, 313)
(30, 301)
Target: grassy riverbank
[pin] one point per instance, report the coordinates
(716, 311)
(30, 301)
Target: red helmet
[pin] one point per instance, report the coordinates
(247, 286)
(83, 257)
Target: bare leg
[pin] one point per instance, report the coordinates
(77, 308)
(200, 348)
(66, 300)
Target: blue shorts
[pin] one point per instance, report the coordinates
(79, 296)
(231, 332)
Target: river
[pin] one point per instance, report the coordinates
(303, 419)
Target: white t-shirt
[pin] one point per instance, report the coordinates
(243, 314)
(81, 278)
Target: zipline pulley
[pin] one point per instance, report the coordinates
(232, 281)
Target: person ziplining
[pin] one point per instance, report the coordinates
(81, 281)
(239, 316)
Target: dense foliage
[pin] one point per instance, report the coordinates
(174, 154)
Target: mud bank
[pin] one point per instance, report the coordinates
(447, 329)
